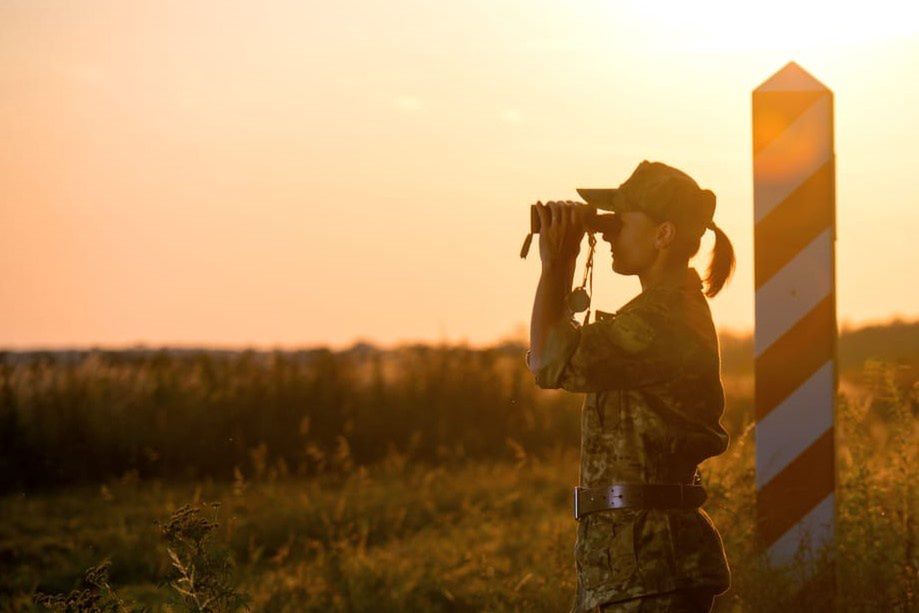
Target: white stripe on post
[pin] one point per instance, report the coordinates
(814, 530)
(799, 286)
(811, 415)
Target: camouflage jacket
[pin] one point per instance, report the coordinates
(651, 372)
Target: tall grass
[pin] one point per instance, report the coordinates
(205, 414)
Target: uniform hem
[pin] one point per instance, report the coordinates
(610, 594)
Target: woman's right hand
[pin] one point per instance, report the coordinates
(561, 228)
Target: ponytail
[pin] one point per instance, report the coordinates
(722, 264)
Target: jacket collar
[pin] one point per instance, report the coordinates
(691, 281)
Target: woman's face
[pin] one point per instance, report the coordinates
(633, 246)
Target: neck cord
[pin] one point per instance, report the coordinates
(589, 273)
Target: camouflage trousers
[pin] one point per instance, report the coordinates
(680, 601)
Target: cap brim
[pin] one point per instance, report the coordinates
(605, 199)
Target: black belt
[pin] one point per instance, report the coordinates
(637, 495)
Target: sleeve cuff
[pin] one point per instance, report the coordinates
(561, 342)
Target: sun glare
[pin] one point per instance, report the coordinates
(778, 25)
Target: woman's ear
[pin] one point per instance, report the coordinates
(666, 235)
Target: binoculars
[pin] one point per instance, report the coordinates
(593, 221)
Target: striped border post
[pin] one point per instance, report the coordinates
(795, 334)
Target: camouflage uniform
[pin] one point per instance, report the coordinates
(651, 372)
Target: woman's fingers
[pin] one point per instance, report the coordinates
(553, 208)
(541, 213)
(561, 213)
(561, 217)
(568, 214)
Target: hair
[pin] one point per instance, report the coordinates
(722, 263)
(721, 266)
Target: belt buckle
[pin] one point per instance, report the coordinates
(588, 508)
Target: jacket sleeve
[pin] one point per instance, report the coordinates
(633, 349)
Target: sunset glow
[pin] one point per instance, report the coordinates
(235, 173)
(782, 26)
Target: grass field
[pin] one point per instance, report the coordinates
(474, 536)
(455, 533)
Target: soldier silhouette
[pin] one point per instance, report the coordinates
(654, 396)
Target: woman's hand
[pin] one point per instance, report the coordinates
(561, 228)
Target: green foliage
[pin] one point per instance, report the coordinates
(879, 536)
(204, 572)
(93, 594)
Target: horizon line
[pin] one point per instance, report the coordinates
(844, 327)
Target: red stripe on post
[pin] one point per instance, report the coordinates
(791, 360)
(792, 493)
(793, 224)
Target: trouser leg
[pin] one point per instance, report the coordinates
(697, 600)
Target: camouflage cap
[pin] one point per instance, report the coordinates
(661, 191)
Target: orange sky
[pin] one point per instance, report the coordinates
(289, 173)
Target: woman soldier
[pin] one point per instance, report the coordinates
(651, 372)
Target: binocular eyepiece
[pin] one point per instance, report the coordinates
(593, 221)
